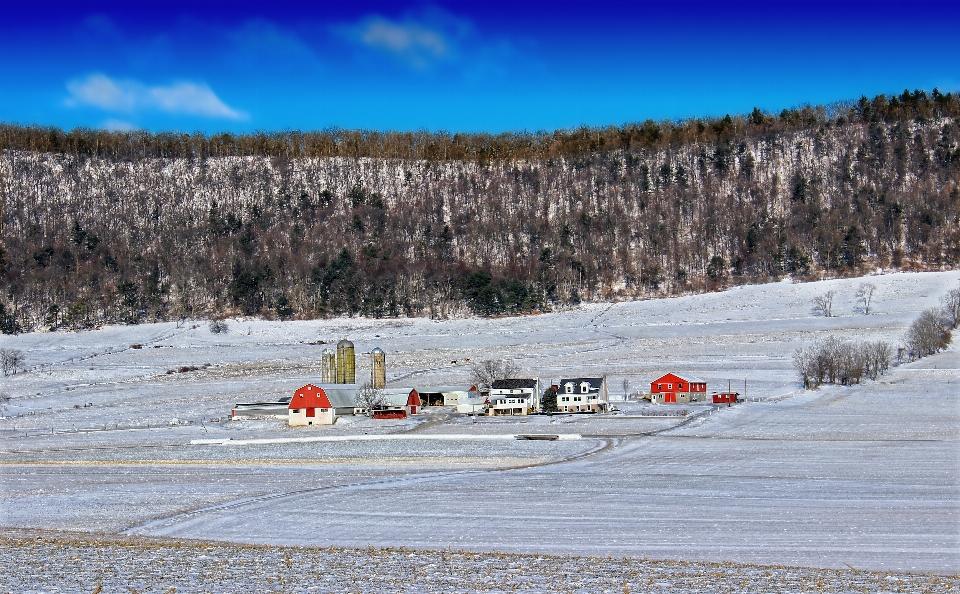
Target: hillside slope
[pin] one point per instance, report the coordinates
(90, 238)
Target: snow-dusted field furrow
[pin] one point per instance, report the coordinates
(109, 565)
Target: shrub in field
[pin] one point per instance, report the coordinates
(929, 333)
(219, 327)
(837, 361)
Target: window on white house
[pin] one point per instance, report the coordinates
(568, 388)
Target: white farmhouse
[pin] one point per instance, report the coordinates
(583, 394)
(514, 396)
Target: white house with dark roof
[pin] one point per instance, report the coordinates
(583, 394)
(514, 396)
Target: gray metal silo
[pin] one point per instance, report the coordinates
(378, 368)
(328, 366)
(346, 363)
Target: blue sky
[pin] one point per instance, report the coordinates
(470, 66)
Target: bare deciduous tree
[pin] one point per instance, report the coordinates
(370, 398)
(951, 306)
(484, 373)
(880, 355)
(823, 304)
(11, 361)
(802, 362)
(865, 296)
(625, 384)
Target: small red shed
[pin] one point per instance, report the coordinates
(676, 388)
(725, 397)
(310, 406)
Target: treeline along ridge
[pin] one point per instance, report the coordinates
(107, 227)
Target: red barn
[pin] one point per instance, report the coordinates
(676, 388)
(413, 402)
(310, 406)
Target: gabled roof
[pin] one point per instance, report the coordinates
(309, 396)
(398, 397)
(596, 383)
(687, 378)
(341, 395)
(513, 384)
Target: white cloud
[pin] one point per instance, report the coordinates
(130, 96)
(420, 41)
(115, 125)
(404, 38)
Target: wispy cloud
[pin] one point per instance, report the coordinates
(420, 41)
(130, 96)
(115, 125)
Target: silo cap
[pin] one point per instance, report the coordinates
(344, 343)
(377, 351)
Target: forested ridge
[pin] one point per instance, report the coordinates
(124, 227)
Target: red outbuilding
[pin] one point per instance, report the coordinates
(413, 402)
(676, 388)
(725, 397)
(310, 406)
(390, 413)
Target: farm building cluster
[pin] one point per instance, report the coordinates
(338, 394)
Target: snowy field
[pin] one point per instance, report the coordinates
(97, 438)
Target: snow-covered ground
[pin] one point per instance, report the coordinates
(97, 437)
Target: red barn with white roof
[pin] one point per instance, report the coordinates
(310, 406)
(678, 388)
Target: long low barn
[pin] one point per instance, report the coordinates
(253, 410)
(443, 395)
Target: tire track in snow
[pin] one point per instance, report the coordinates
(606, 444)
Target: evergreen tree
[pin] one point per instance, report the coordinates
(550, 400)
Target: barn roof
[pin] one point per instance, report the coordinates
(687, 378)
(397, 396)
(309, 396)
(513, 384)
(341, 395)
